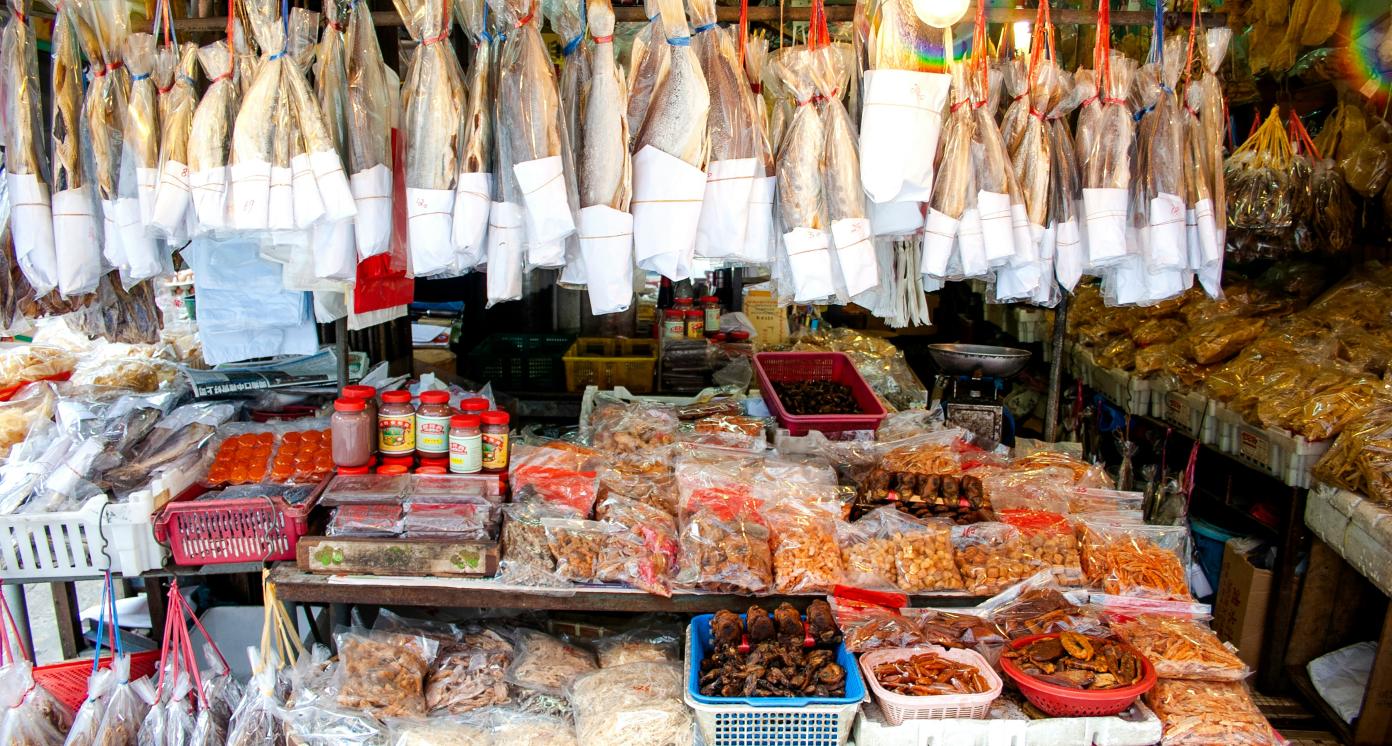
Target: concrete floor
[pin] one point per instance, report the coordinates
(42, 623)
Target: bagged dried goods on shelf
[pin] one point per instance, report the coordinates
(547, 664)
(637, 702)
(527, 558)
(647, 477)
(992, 557)
(524, 728)
(631, 427)
(1135, 560)
(913, 555)
(646, 556)
(1177, 642)
(1048, 535)
(468, 673)
(384, 672)
(557, 473)
(439, 731)
(1205, 712)
(805, 554)
(724, 555)
(642, 645)
(727, 431)
(1361, 458)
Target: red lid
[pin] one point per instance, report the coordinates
(403, 461)
(358, 391)
(718, 336)
(391, 469)
(434, 461)
(465, 422)
(674, 313)
(494, 418)
(397, 397)
(739, 336)
(364, 469)
(683, 301)
(434, 397)
(433, 470)
(349, 405)
(695, 313)
(709, 299)
(476, 404)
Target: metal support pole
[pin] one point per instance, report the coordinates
(1051, 413)
(341, 350)
(19, 609)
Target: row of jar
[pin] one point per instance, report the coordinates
(430, 435)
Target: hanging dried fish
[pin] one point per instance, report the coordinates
(730, 126)
(1065, 184)
(1161, 138)
(801, 201)
(845, 199)
(474, 189)
(333, 244)
(76, 227)
(1213, 117)
(670, 151)
(605, 173)
(992, 173)
(262, 121)
(26, 159)
(210, 138)
(758, 233)
(951, 192)
(649, 59)
(142, 255)
(172, 218)
(370, 99)
(103, 27)
(568, 22)
(1106, 163)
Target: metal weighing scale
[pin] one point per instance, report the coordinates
(972, 378)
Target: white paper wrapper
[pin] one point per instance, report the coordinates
(896, 218)
(141, 253)
(809, 262)
(1126, 281)
(606, 246)
(77, 242)
(146, 181)
(548, 216)
(506, 239)
(168, 215)
(1167, 246)
(551, 254)
(939, 240)
(372, 196)
(335, 251)
(333, 185)
(970, 244)
(900, 123)
(573, 274)
(309, 203)
(209, 190)
(997, 231)
(248, 196)
(758, 232)
(428, 230)
(667, 195)
(855, 254)
(280, 202)
(725, 208)
(469, 220)
(111, 249)
(32, 224)
(1026, 235)
(1105, 212)
(1068, 255)
(1211, 278)
(1209, 242)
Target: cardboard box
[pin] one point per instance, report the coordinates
(1239, 611)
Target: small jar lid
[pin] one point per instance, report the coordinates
(432, 470)
(349, 405)
(695, 313)
(683, 301)
(673, 313)
(391, 469)
(434, 397)
(475, 404)
(739, 336)
(709, 299)
(397, 397)
(406, 461)
(465, 422)
(434, 461)
(364, 469)
(495, 418)
(359, 391)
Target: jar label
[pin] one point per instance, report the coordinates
(466, 454)
(432, 434)
(495, 450)
(396, 433)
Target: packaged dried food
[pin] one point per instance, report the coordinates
(365, 520)
(628, 427)
(346, 489)
(868, 627)
(580, 548)
(1095, 500)
(719, 482)
(1325, 414)
(1049, 538)
(384, 672)
(1119, 353)
(469, 674)
(33, 716)
(527, 558)
(727, 431)
(87, 720)
(471, 521)
(22, 365)
(439, 731)
(724, 555)
(526, 728)
(1180, 647)
(646, 556)
(1361, 458)
(1039, 606)
(1136, 560)
(634, 703)
(32, 405)
(638, 646)
(806, 558)
(648, 477)
(1208, 712)
(555, 474)
(922, 551)
(992, 557)
(547, 664)
(447, 488)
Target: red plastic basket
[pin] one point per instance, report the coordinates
(219, 532)
(1062, 701)
(784, 367)
(68, 680)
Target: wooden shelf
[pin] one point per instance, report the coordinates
(295, 585)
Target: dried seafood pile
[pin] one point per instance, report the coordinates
(1079, 661)
(777, 663)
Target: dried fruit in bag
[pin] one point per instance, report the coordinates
(1181, 648)
(1209, 712)
(805, 555)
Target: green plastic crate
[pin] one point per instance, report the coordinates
(521, 362)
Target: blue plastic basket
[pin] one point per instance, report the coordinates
(769, 721)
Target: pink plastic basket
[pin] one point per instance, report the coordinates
(784, 367)
(900, 707)
(219, 532)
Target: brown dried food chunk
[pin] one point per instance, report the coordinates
(821, 624)
(384, 672)
(726, 628)
(789, 623)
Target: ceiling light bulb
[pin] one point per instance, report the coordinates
(940, 13)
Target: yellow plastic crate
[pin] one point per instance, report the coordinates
(607, 362)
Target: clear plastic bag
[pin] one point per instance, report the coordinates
(439, 731)
(922, 550)
(469, 674)
(556, 473)
(629, 427)
(647, 477)
(384, 672)
(1136, 560)
(638, 646)
(1039, 605)
(257, 719)
(1049, 537)
(1177, 641)
(469, 521)
(806, 558)
(547, 664)
(992, 557)
(1207, 712)
(724, 555)
(87, 721)
(526, 728)
(634, 703)
(646, 557)
(527, 558)
(128, 704)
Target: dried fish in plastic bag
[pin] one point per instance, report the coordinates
(210, 137)
(76, 225)
(473, 191)
(669, 182)
(845, 199)
(1106, 163)
(947, 208)
(732, 163)
(605, 172)
(801, 202)
(567, 19)
(142, 256)
(371, 96)
(758, 232)
(1213, 117)
(102, 27)
(26, 159)
(1065, 185)
(648, 62)
(332, 242)
(172, 216)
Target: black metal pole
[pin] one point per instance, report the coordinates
(1051, 413)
